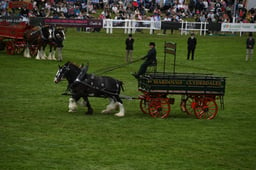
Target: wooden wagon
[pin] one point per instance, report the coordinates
(199, 91)
(12, 37)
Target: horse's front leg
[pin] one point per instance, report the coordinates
(72, 105)
(38, 55)
(27, 52)
(50, 53)
(53, 53)
(42, 54)
(88, 105)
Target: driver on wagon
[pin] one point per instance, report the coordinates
(150, 59)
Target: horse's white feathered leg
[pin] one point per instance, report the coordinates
(38, 55)
(50, 56)
(111, 106)
(121, 112)
(72, 106)
(25, 54)
(82, 103)
(53, 55)
(43, 55)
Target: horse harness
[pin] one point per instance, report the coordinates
(97, 83)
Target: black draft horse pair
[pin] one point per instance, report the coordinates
(83, 85)
(39, 37)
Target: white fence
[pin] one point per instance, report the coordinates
(130, 26)
(187, 27)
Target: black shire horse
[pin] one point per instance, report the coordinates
(58, 36)
(83, 85)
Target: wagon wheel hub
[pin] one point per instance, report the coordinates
(205, 108)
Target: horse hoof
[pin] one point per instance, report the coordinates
(89, 112)
(71, 111)
(104, 111)
(119, 114)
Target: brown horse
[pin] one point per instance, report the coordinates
(37, 38)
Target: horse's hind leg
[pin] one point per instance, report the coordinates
(111, 106)
(121, 112)
(89, 107)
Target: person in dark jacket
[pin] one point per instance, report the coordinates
(150, 59)
(249, 47)
(59, 44)
(129, 48)
(191, 46)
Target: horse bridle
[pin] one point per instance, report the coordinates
(62, 73)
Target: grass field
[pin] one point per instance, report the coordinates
(37, 132)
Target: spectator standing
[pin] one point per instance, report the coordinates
(59, 43)
(167, 19)
(191, 46)
(129, 48)
(150, 60)
(249, 47)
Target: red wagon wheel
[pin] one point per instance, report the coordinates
(189, 105)
(159, 107)
(205, 108)
(10, 48)
(144, 105)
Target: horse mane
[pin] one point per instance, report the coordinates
(73, 64)
(36, 28)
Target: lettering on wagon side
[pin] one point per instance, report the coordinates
(186, 82)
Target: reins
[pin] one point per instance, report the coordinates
(109, 69)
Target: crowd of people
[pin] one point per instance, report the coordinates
(174, 10)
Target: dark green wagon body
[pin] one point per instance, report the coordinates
(188, 84)
(199, 93)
